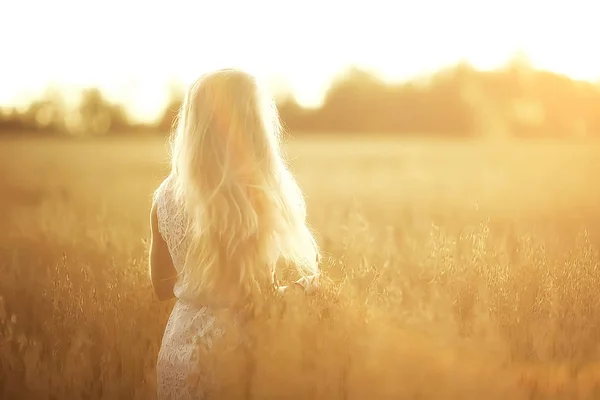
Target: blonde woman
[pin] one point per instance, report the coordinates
(227, 214)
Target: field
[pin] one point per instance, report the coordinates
(461, 270)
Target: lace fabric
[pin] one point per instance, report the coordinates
(182, 372)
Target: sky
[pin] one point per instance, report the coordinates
(133, 49)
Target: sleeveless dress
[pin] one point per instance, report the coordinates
(184, 370)
(191, 328)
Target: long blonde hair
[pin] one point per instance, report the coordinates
(245, 211)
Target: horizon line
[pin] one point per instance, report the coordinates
(70, 94)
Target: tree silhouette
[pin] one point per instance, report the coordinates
(513, 101)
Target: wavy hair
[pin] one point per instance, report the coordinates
(245, 211)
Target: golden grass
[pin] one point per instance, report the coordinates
(461, 270)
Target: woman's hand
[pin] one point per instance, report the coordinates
(309, 284)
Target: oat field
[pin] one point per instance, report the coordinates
(460, 270)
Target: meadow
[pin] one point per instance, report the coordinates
(460, 270)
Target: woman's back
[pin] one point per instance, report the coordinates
(227, 215)
(173, 228)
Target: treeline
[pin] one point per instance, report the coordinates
(93, 115)
(457, 102)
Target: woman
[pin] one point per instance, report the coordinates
(227, 214)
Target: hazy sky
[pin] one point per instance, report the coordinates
(132, 48)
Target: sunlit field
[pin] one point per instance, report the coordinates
(459, 270)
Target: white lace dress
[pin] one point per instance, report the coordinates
(184, 370)
(191, 329)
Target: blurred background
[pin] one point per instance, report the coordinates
(449, 154)
(462, 68)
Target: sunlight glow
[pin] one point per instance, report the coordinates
(132, 48)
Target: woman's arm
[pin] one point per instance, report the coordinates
(308, 284)
(162, 272)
